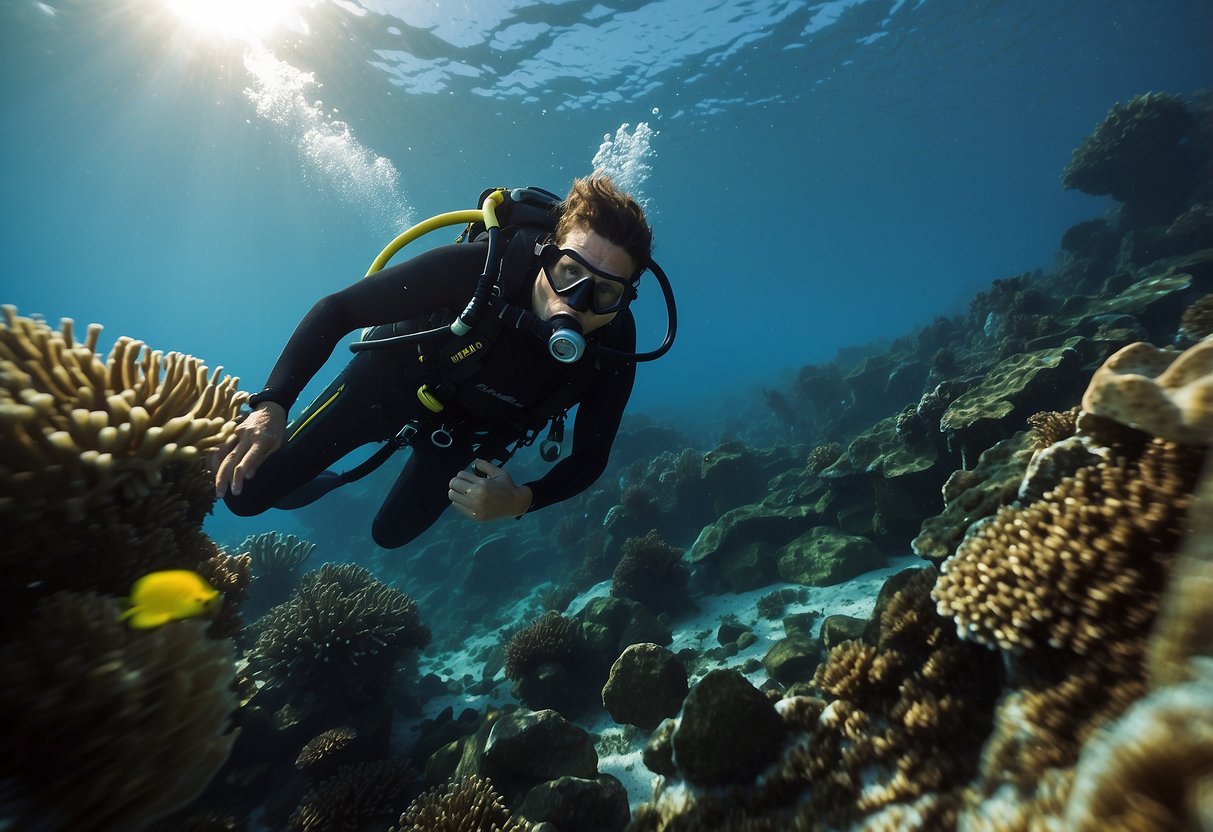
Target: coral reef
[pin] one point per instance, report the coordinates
(324, 747)
(229, 574)
(109, 728)
(551, 638)
(354, 797)
(651, 571)
(896, 734)
(822, 457)
(273, 552)
(276, 559)
(78, 428)
(1136, 155)
(1076, 570)
(1157, 391)
(337, 639)
(469, 804)
(1197, 320)
(109, 454)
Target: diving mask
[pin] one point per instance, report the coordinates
(582, 285)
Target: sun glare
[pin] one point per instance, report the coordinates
(245, 19)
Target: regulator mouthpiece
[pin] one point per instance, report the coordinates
(566, 343)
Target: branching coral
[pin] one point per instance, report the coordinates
(1049, 427)
(106, 456)
(822, 457)
(551, 638)
(354, 797)
(651, 571)
(894, 746)
(276, 559)
(338, 637)
(106, 727)
(324, 747)
(273, 552)
(229, 574)
(470, 804)
(1079, 570)
(77, 428)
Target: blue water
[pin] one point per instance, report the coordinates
(819, 175)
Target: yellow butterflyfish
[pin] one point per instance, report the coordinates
(160, 597)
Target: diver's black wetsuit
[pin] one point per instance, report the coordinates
(376, 395)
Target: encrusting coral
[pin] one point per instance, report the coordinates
(1160, 392)
(338, 637)
(470, 804)
(109, 728)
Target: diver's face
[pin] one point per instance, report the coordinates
(599, 253)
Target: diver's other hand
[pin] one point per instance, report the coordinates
(488, 494)
(258, 436)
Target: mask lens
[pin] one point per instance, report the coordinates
(566, 270)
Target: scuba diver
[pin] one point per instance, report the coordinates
(548, 327)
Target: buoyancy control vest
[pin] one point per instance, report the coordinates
(445, 368)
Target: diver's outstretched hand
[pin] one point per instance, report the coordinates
(258, 436)
(488, 494)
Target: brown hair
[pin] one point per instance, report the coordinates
(595, 203)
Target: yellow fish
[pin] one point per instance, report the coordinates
(160, 597)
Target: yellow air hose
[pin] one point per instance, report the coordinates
(487, 214)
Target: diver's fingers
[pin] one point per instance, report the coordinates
(254, 455)
(227, 467)
(467, 512)
(457, 493)
(226, 477)
(464, 482)
(487, 469)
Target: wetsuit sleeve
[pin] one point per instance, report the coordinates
(441, 278)
(594, 429)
